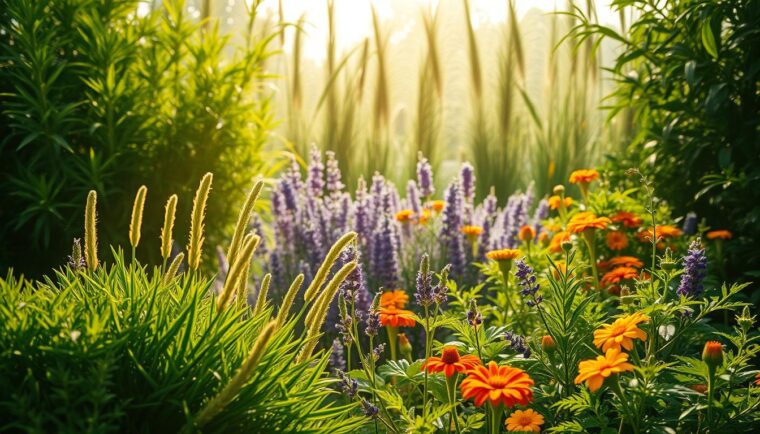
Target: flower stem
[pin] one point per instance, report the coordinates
(427, 356)
(451, 387)
(495, 427)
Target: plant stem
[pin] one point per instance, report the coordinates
(427, 356)
(451, 387)
(495, 426)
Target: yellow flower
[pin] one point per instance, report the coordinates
(503, 254)
(595, 371)
(583, 176)
(524, 421)
(622, 332)
(527, 233)
(584, 221)
(472, 231)
(405, 215)
(437, 205)
(555, 202)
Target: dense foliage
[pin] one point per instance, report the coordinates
(689, 72)
(97, 95)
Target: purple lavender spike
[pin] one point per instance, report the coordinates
(425, 177)
(694, 270)
(315, 173)
(451, 230)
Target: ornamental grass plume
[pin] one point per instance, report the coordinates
(90, 231)
(595, 371)
(621, 333)
(324, 268)
(261, 298)
(242, 222)
(168, 228)
(76, 259)
(237, 270)
(196, 223)
(171, 272)
(135, 223)
(243, 375)
(524, 421)
(287, 301)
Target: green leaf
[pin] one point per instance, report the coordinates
(708, 39)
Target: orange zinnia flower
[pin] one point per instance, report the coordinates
(628, 219)
(583, 176)
(720, 234)
(472, 231)
(524, 421)
(393, 317)
(450, 362)
(555, 245)
(585, 221)
(622, 332)
(437, 205)
(395, 299)
(527, 233)
(555, 202)
(404, 216)
(595, 371)
(617, 240)
(503, 254)
(625, 261)
(618, 274)
(498, 384)
(665, 231)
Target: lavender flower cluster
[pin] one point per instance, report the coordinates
(694, 270)
(528, 283)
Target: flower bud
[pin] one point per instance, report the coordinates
(567, 245)
(548, 344)
(559, 190)
(712, 355)
(404, 347)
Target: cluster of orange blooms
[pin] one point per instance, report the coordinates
(497, 385)
(612, 339)
(409, 216)
(392, 312)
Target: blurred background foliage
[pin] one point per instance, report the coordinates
(109, 95)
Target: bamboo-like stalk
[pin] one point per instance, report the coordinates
(168, 228)
(243, 219)
(287, 301)
(196, 223)
(241, 377)
(90, 231)
(135, 223)
(324, 268)
(261, 298)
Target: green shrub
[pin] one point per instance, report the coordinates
(96, 95)
(689, 71)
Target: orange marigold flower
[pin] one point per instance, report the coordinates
(472, 231)
(721, 234)
(503, 254)
(617, 240)
(423, 217)
(583, 176)
(498, 384)
(524, 421)
(527, 233)
(622, 332)
(395, 299)
(628, 219)
(393, 317)
(437, 205)
(595, 371)
(451, 362)
(618, 274)
(555, 202)
(584, 221)
(555, 245)
(664, 231)
(405, 215)
(625, 261)
(548, 344)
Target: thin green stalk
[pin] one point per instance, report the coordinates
(451, 388)
(427, 356)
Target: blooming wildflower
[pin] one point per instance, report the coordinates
(527, 233)
(720, 234)
(664, 231)
(543, 238)
(694, 266)
(333, 175)
(372, 319)
(344, 328)
(348, 385)
(467, 179)
(424, 294)
(555, 245)
(423, 217)
(518, 344)
(499, 385)
(595, 371)
(471, 231)
(503, 254)
(315, 173)
(616, 240)
(690, 224)
(584, 176)
(394, 299)
(425, 177)
(473, 315)
(712, 354)
(618, 274)
(527, 279)
(548, 344)
(524, 421)
(556, 201)
(625, 261)
(452, 222)
(336, 361)
(437, 205)
(757, 379)
(404, 216)
(413, 196)
(628, 219)
(622, 332)
(440, 291)
(584, 221)
(450, 362)
(378, 351)
(384, 262)
(368, 409)
(394, 317)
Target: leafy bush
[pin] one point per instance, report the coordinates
(98, 95)
(689, 71)
(129, 348)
